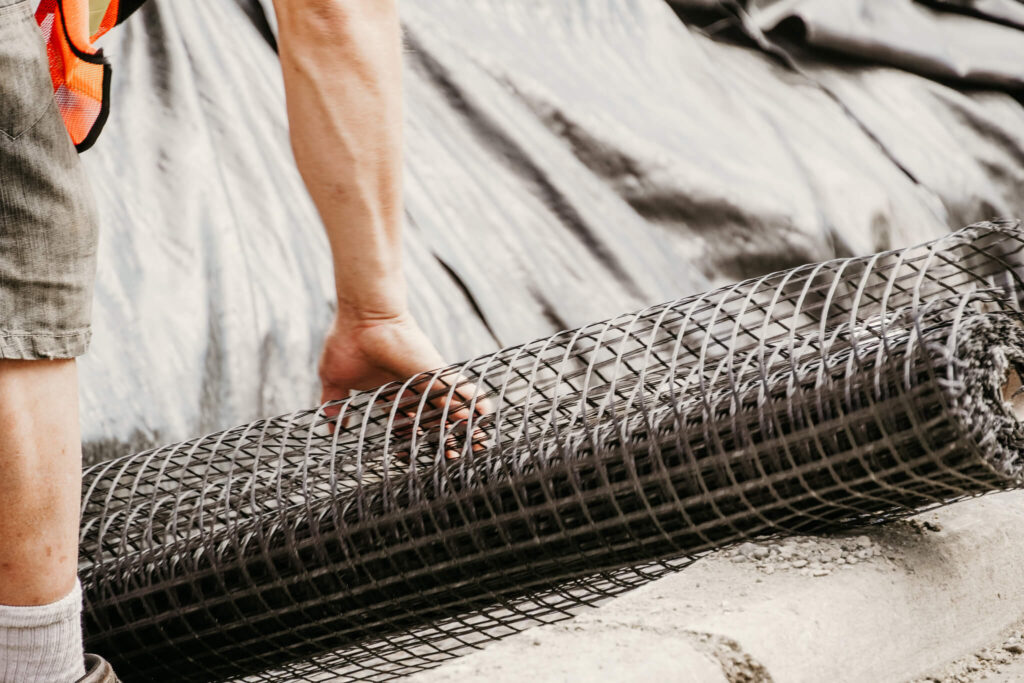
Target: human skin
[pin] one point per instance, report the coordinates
(40, 477)
(341, 61)
(342, 65)
(40, 480)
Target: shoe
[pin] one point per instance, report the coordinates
(98, 670)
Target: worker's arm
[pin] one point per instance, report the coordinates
(342, 64)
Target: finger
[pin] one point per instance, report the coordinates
(333, 393)
(330, 414)
(449, 399)
(456, 441)
(454, 397)
(481, 442)
(451, 451)
(484, 406)
(404, 431)
(402, 424)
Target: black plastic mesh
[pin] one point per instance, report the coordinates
(319, 547)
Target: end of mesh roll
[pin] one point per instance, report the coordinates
(1013, 393)
(988, 369)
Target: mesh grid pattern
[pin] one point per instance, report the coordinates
(350, 546)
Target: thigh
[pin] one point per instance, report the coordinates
(48, 225)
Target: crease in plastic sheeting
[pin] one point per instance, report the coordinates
(692, 112)
(927, 38)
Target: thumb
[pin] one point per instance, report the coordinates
(332, 392)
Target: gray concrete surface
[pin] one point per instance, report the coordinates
(1014, 673)
(1000, 662)
(888, 604)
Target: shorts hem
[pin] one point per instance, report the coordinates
(43, 345)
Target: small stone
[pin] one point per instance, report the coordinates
(862, 541)
(761, 553)
(822, 571)
(747, 549)
(1014, 646)
(852, 560)
(863, 554)
(840, 560)
(799, 563)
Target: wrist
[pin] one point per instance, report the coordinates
(371, 289)
(370, 311)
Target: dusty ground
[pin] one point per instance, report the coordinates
(810, 556)
(888, 604)
(1002, 662)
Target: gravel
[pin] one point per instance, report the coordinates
(806, 555)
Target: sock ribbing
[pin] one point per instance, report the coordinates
(42, 643)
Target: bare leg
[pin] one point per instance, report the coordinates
(40, 480)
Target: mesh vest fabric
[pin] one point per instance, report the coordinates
(78, 69)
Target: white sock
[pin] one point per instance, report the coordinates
(42, 644)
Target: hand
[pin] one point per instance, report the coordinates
(368, 353)
(365, 354)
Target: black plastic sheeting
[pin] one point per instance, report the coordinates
(566, 161)
(966, 41)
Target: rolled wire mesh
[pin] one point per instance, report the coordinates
(324, 546)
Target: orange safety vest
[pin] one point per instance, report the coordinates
(80, 73)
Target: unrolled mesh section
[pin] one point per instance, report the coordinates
(316, 545)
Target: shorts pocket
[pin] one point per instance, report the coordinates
(26, 91)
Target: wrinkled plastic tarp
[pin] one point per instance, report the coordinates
(985, 47)
(566, 161)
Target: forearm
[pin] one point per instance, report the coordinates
(341, 61)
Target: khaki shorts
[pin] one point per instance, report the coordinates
(48, 223)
